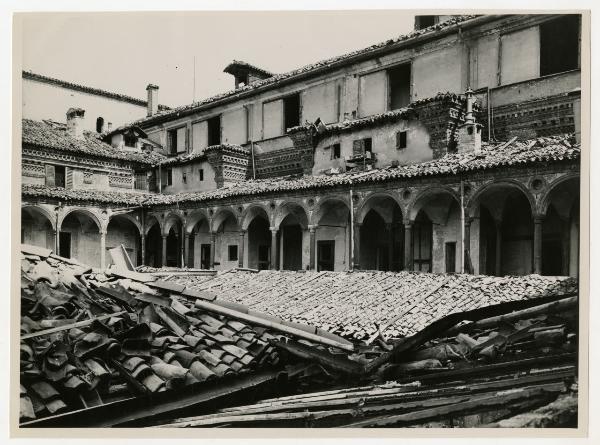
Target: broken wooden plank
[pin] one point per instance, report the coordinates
(120, 258)
(79, 324)
(323, 357)
(36, 250)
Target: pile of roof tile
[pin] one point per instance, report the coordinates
(357, 305)
(88, 338)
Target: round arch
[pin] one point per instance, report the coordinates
(473, 202)
(568, 184)
(222, 215)
(252, 212)
(372, 201)
(151, 221)
(442, 196)
(194, 218)
(293, 208)
(83, 211)
(170, 219)
(328, 204)
(29, 208)
(129, 218)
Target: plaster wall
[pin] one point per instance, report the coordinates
(193, 183)
(340, 236)
(436, 72)
(233, 124)
(321, 101)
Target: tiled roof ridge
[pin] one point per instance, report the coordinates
(175, 112)
(249, 66)
(89, 90)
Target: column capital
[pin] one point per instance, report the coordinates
(312, 227)
(538, 219)
(102, 232)
(274, 229)
(242, 232)
(407, 222)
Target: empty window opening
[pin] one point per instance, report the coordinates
(399, 86)
(291, 111)
(232, 252)
(130, 140)
(214, 131)
(325, 255)
(401, 140)
(169, 177)
(172, 141)
(100, 125)
(59, 176)
(368, 145)
(184, 177)
(201, 174)
(64, 240)
(335, 151)
(559, 45)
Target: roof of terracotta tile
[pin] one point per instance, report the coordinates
(79, 195)
(311, 69)
(556, 148)
(543, 149)
(189, 157)
(354, 304)
(49, 134)
(237, 64)
(89, 90)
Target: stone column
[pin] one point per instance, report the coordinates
(164, 251)
(102, 249)
(213, 246)
(390, 230)
(408, 259)
(356, 255)
(498, 248)
(56, 243)
(143, 247)
(467, 252)
(312, 229)
(186, 247)
(273, 259)
(241, 249)
(537, 244)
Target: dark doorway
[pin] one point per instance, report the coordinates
(154, 247)
(259, 240)
(487, 244)
(325, 255)
(373, 243)
(264, 257)
(173, 249)
(292, 247)
(450, 257)
(517, 236)
(399, 86)
(65, 244)
(554, 231)
(59, 176)
(205, 256)
(422, 243)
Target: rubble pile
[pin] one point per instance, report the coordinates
(356, 305)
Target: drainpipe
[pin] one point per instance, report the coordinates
(351, 256)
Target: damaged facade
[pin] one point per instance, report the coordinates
(461, 136)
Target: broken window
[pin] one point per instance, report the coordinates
(201, 174)
(232, 252)
(399, 86)
(335, 151)
(291, 111)
(214, 131)
(401, 140)
(559, 45)
(59, 176)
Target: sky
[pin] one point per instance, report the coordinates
(123, 52)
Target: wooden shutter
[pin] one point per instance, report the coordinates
(358, 147)
(181, 139)
(68, 178)
(187, 139)
(50, 176)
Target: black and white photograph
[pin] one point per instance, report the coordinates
(335, 219)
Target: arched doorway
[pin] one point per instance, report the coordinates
(227, 231)
(123, 231)
(422, 243)
(36, 228)
(293, 237)
(258, 232)
(200, 245)
(80, 238)
(332, 236)
(154, 246)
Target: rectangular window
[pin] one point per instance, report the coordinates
(335, 151)
(172, 141)
(184, 177)
(399, 86)
(59, 176)
(64, 240)
(50, 177)
(368, 145)
(559, 45)
(451, 257)
(362, 146)
(214, 131)
(201, 174)
(170, 177)
(325, 255)
(291, 111)
(130, 140)
(232, 252)
(401, 140)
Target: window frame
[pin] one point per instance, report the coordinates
(232, 248)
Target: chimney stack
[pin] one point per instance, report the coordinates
(109, 127)
(468, 134)
(75, 122)
(152, 99)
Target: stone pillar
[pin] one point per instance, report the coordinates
(102, 249)
(390, 230)
(498, 248)
(356, 255)
(273, 259)
(56, 242)
(241, 249)
(192, 249)
(143, 247)
(186, 247)
(213, 246)
(164, 251)
(312, 229)
(537, 244)
(408, 260)
(467, 252)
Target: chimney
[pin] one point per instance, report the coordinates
(468, 134)
(109, 127)
(75, 122)
(152, 99)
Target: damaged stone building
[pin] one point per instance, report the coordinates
(454, 148)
